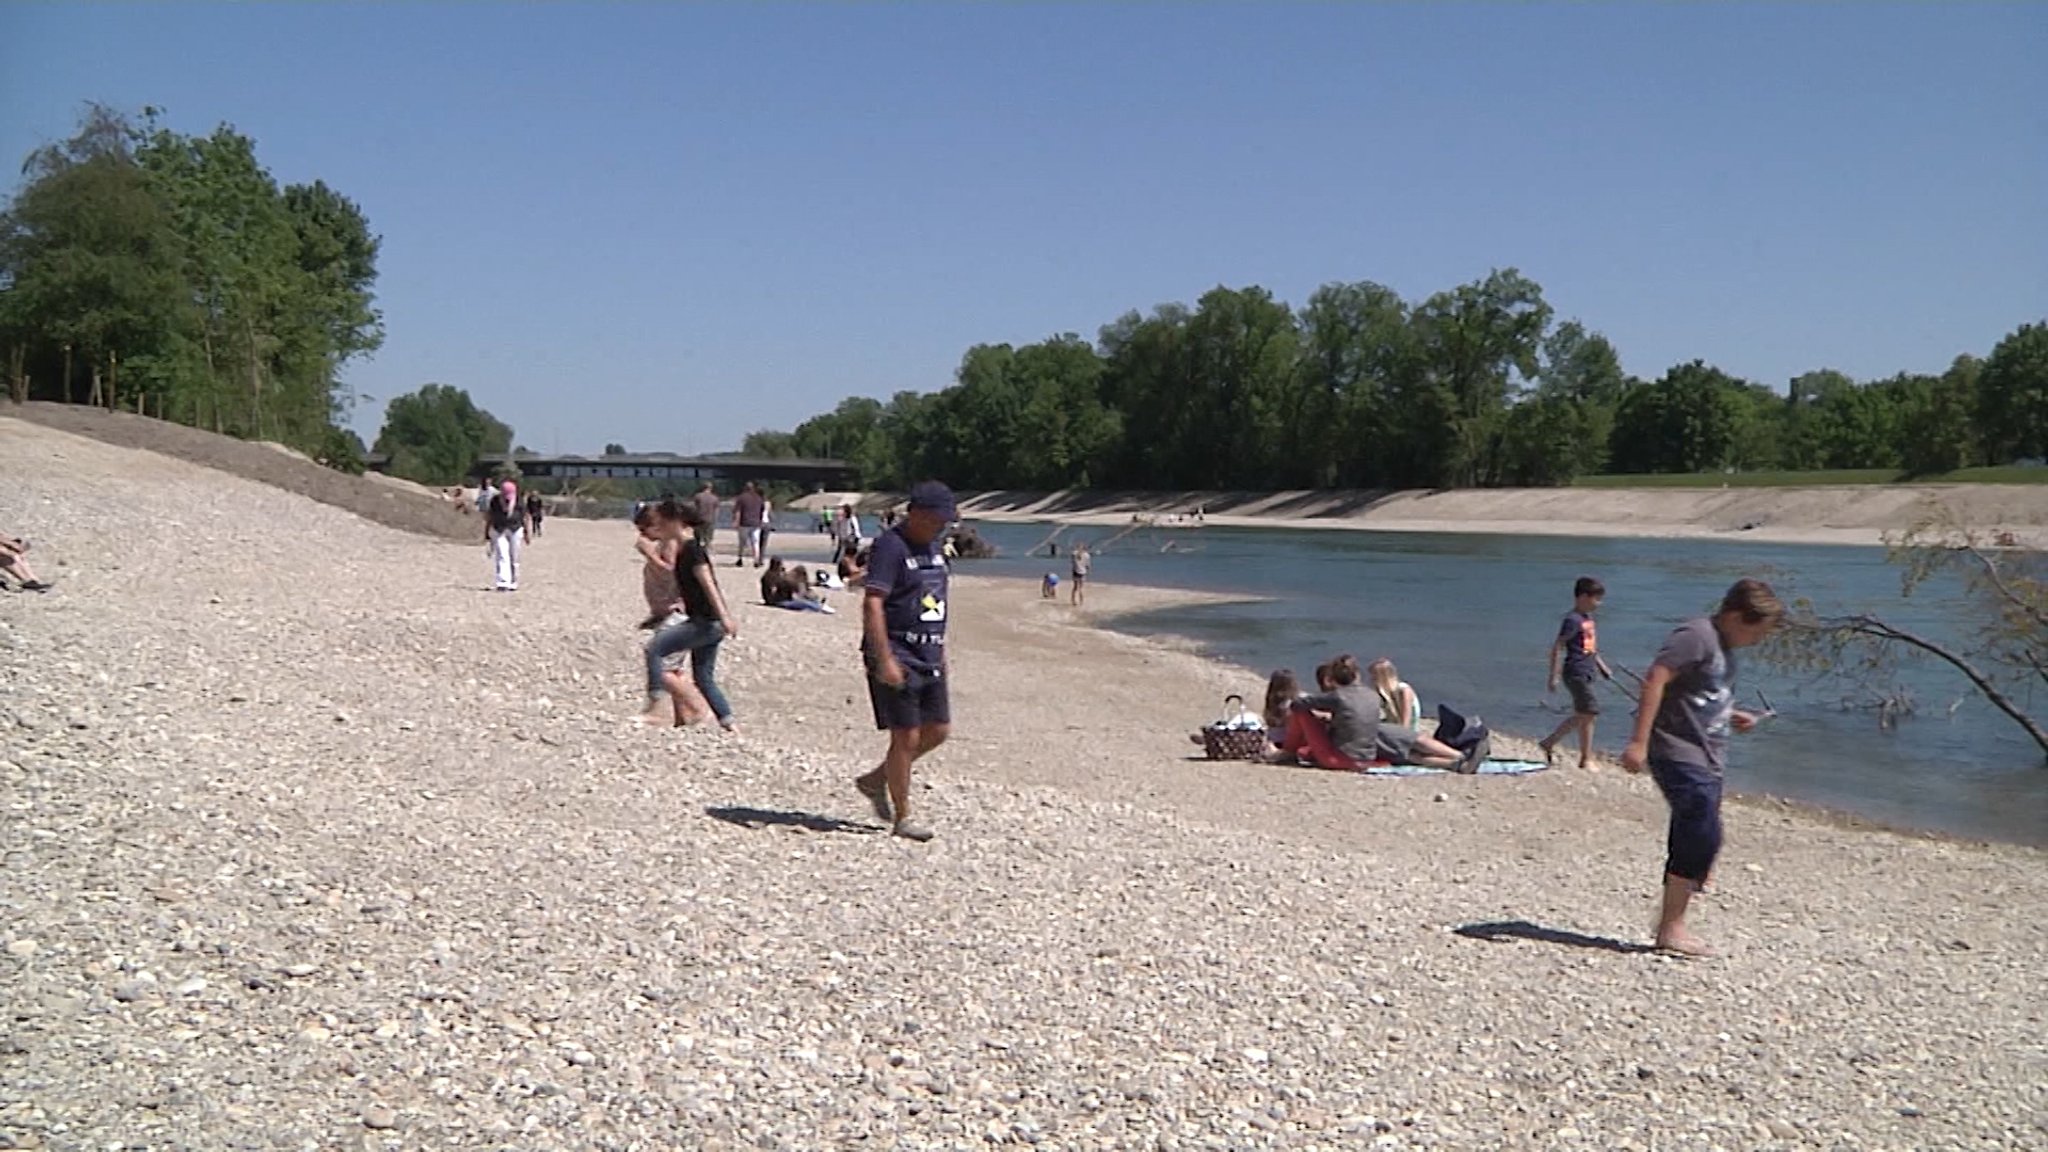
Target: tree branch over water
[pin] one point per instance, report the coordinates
(2004, 592)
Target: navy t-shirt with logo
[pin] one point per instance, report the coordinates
(912, 584)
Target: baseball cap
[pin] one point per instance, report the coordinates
(933, 496)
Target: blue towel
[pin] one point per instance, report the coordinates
(1486, 768)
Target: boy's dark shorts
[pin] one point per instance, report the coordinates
(1584, 702)
(922, 700)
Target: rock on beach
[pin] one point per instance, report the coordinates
(464, 918)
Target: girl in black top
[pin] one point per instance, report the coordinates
(707, 624)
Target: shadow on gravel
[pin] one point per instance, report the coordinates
(809, 822)
(1501, 931)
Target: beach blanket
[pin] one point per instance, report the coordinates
(1486, 768)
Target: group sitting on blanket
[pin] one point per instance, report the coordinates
(1355, 721)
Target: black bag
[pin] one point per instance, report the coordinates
(1453, 729)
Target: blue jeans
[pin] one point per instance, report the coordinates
(700, 638)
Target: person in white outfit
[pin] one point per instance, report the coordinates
(506, 528)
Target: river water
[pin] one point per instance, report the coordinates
(1469, 620)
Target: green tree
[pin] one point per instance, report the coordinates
(1146, 376)
(88, 259)
(1688, 420)
(616, 450)
(1476, 344)
(2012, 396)
(768, 443)
(1581, 370)
(1934, 432)
(433, 435)
(1356, 347)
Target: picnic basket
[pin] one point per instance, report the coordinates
(1236, 736)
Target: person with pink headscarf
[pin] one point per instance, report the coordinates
(506, 528)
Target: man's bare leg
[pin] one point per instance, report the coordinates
(906, 747)
(1586, 742)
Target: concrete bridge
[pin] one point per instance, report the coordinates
(726, 471)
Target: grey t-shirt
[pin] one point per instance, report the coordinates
(1354, 719)
(1692, 722)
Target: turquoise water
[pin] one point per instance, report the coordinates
(1469, 619)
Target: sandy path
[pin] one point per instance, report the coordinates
(311, 841)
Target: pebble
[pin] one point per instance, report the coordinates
(378, 1118)
(21, 949)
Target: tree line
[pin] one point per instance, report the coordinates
(146, 269)
(1479, 385)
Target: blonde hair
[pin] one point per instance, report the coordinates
(1386, 684)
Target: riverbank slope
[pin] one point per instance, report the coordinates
(312, 840)
(1846, 514)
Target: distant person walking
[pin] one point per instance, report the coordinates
(1079, 562)
(1576, 653)
(705, 505)
(903, 644)
(506, 530)
(847, 542)
(536, 511)
(706, 621)
(1681, 737)
(747, 510)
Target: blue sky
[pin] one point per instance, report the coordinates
(666, 225)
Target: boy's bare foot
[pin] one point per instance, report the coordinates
(1679, 942)
(1589, 766)
(1549, 754)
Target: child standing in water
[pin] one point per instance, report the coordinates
(1681, 737)
(1577, 647)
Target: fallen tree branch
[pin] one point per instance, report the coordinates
(1876, 628)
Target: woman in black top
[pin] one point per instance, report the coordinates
(707, 622)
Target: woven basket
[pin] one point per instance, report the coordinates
(1224, 743)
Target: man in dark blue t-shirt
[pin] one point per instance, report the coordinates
(903, 642)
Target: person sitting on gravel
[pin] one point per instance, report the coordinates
(14, 562)
(1399, 705)
(1282, 690)
(853, 567)
(781, 589)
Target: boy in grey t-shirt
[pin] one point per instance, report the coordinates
(1681, 737)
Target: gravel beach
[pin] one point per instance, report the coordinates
(313, 842)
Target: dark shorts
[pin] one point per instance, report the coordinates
(1584, 702)
(1694, 841)
(920, 701)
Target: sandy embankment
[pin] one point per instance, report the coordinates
(312, 841)
(1846, 514)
